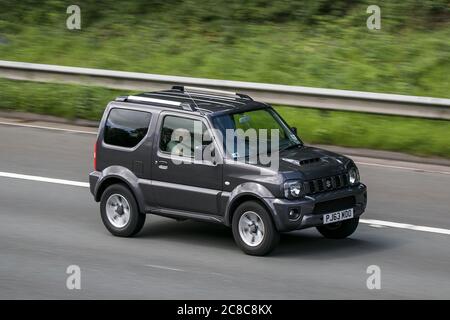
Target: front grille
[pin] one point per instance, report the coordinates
(334, 205)
(326, 184)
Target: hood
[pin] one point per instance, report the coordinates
(310, 163)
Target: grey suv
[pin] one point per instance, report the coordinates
(164, 153)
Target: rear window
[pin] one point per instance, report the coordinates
(126, 128)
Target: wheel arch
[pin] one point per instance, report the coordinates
(240, 200)
(126, 178)
(249, 192)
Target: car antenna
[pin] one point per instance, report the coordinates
(187, 92)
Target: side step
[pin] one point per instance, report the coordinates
(179, 214)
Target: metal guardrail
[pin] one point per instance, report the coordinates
(379, 103)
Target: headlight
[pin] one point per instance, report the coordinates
(292, 189)
(353, 175)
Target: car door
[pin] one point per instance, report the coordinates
(182, 178)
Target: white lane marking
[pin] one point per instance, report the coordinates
(405, 226)
(375, 226)
(164, 268)
(46, 128)
(44, 179)
(378, 223)
(402, 168)
(214, 274)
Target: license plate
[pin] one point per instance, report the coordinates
(337, 216)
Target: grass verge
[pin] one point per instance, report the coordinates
(322, 43)
(410, 135)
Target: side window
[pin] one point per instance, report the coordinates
(126, 128)
(182, 136)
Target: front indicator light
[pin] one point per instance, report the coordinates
(353, 175)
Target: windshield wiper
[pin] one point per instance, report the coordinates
(297, 144)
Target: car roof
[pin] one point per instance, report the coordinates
(197, 100)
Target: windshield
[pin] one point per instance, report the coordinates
(254, 132)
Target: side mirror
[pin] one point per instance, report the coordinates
(294, 130)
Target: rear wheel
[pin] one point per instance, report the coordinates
(119, 211)
(253, 229)
(339, 230)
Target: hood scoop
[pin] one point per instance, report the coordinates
(302, 162)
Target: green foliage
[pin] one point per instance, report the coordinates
(258, 11)
(311, 43)
(68, 101)
(401, 134)
(318, 43)
(415, 136)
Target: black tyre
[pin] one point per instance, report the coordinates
(253, 229)
(119, 211)
(339, 230)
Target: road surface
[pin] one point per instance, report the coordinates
(47, 226)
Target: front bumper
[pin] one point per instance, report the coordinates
(312, 208)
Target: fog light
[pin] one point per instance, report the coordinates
(294, 214)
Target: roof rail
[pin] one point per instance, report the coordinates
(182, 105)
(244, 96)
(211, 91)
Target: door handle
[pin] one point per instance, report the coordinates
(162, 164)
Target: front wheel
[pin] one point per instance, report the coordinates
(119, 211)
(339, 230)
(253, 229)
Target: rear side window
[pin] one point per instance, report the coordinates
(126, 128)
